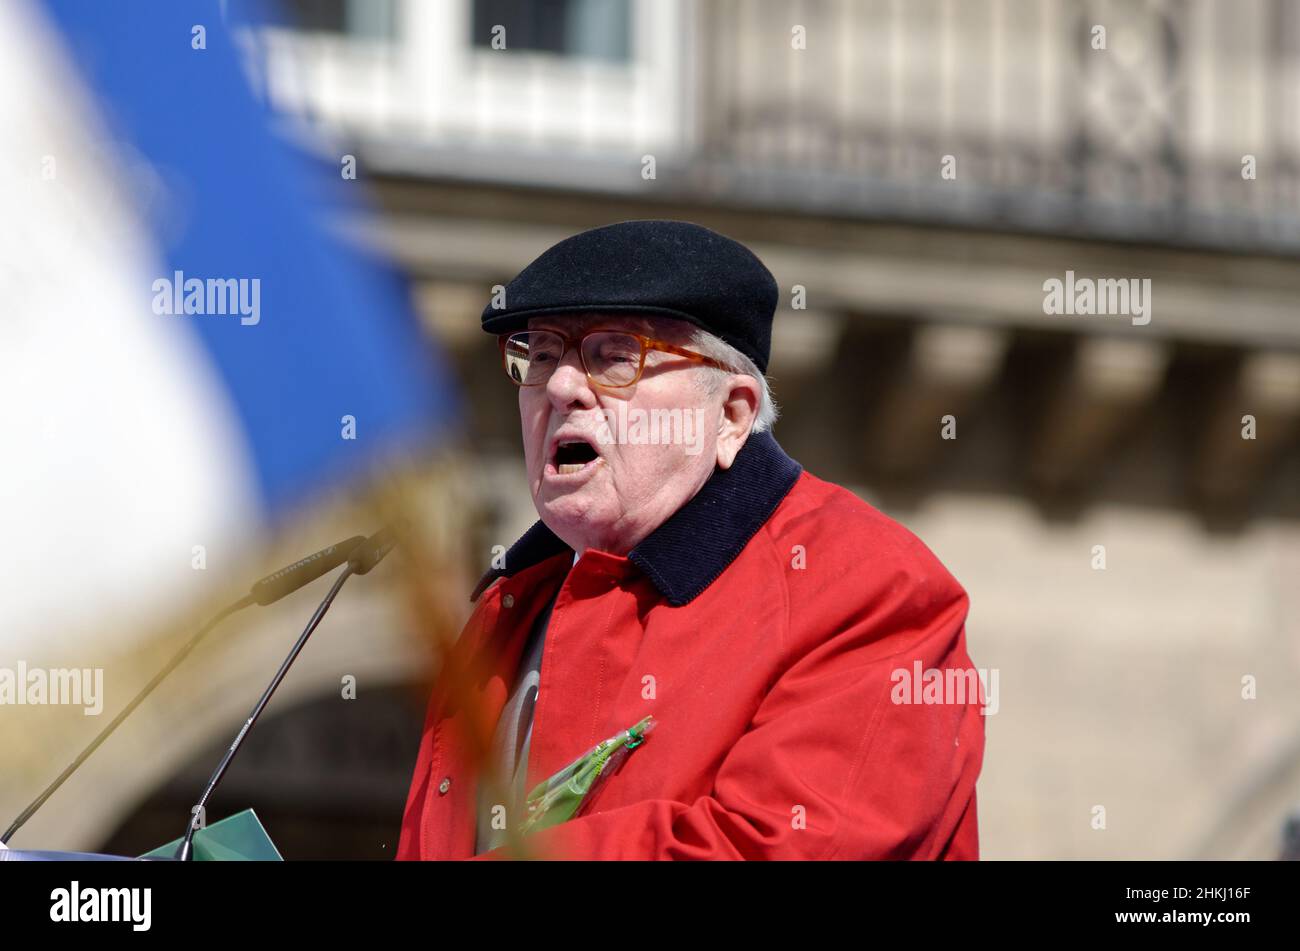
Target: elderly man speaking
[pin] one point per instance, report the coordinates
(700, 651)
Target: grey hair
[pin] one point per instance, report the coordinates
(735, 362)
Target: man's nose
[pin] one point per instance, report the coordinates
(569, 384)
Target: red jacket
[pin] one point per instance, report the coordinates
(764, 626)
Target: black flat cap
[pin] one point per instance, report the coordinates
(669, 268)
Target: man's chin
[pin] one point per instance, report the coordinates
(571, 518)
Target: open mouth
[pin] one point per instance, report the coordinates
(571, 457)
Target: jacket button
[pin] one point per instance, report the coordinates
(508, 601)
(444, 786)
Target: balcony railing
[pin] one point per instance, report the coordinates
(1157, 120)
(1167, 121)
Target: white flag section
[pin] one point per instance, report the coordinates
(119, 452)
(155, 440)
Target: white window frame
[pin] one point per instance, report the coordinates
(432, 85)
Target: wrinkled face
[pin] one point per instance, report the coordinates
(607, 466)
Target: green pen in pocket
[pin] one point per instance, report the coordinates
(560, 797)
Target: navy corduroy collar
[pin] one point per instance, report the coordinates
(688, 552)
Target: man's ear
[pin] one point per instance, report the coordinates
(739, 407)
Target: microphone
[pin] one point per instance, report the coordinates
(288, 580)
(267, 591)
(361, 560)
(372, 551)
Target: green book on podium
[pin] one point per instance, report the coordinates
(237, 838)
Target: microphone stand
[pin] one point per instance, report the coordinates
(117, 720)
(185, 851)
(267, 591)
